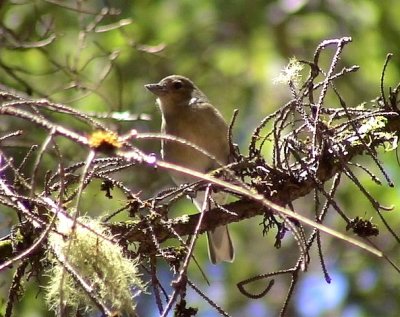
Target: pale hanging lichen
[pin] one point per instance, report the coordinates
(99, 261)
(290, 74)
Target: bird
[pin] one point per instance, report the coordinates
(188, 114)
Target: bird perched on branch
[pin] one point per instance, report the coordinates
(187, 114)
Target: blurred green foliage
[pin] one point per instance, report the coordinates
(98, 61)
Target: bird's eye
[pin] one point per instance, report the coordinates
(177, 85)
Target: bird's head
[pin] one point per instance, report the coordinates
(176, 91)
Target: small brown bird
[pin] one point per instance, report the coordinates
(187, 114)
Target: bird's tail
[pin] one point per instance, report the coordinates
(220, 247)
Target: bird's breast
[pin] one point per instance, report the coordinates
(197, 130)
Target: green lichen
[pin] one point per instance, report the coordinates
(100, 261)
(371, 129)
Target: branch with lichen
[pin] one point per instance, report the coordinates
(311, 145)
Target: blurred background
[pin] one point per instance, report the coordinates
(73, 53)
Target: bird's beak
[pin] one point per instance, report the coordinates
(156, 89)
